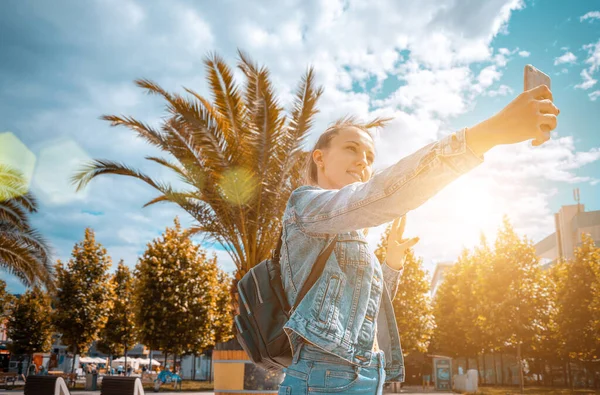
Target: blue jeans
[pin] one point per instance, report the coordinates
(314, 372)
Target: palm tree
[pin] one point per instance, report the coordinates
(23, 251)
(240, 155)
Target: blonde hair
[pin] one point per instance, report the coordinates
(324, 140)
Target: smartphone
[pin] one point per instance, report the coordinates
(533, 77)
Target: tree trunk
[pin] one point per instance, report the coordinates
(502, 365)
(73, 364)
(587, 377)
(520, 364)
(569, 375)
(165, 365)
(194, 368)
(477, 367)
(484, 370)
(495, 368)
(125, 350)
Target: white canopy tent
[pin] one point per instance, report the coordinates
(134, 362)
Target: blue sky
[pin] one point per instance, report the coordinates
(435, 66)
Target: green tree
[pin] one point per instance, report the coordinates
(577, 311)
(448, 336)
(240, 155)
(412, 305)
(84, 296)
(176, 294)
(118, 335)
(516, 288)
(23, 251)
(29, 325)
(5, 301)
(222, 313)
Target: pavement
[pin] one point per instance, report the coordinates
(3, 392)
(407, 391)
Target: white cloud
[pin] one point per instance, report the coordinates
(502, 90)
(594, 95)
(588, 80)
(590, 15)
(593, 61)
(568, 57)
(524, 54)
(431, 48)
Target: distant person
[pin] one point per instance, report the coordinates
(20, 370)
(426, 368)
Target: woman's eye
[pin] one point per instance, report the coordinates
(352, 148)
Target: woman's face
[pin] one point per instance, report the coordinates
(348, 159)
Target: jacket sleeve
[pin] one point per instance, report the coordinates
(391, 279)
(389, 194)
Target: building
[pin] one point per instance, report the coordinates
(569, 224)
(438, 276)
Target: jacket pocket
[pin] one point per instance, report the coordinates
(329, 299)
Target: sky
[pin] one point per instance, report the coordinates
(435, 66)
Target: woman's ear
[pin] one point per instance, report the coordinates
(317, 157)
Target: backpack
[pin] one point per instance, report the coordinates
(264, 310)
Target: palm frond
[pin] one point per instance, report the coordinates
(25, 257)
(151, 135)
(98, 167)
(13, 214)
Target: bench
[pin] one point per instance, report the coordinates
(117, 385)
(45, 385)
(8, 377)
(70, 378)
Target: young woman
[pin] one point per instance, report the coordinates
(343, 333)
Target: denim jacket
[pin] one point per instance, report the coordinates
(340, 312)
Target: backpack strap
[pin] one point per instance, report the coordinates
(316, 271)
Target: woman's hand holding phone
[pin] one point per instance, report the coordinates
(531, 115)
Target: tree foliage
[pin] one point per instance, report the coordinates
(412, 305)
(119, 333)
(29, 325)
(179, 295)
(84, 296)
(240, 154)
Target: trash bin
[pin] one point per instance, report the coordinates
(91, 381)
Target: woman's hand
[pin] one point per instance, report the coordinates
(396, 247)
(531, 115)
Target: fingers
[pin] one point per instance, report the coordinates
(547, 107)
(400, 230)
(546, 122)
(541, 92)
(407, 244)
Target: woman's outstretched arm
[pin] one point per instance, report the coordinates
(413, 180)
